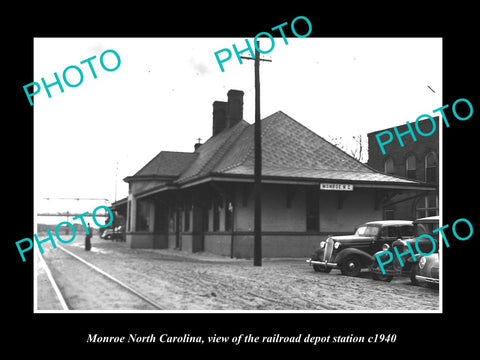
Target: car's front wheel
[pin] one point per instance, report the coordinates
(351, 266)
(380, 277)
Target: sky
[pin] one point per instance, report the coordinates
(90, 137)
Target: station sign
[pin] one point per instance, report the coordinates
(336, 187)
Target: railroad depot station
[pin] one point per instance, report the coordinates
(203, 200)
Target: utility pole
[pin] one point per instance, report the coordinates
(116, 175)
(257, 189)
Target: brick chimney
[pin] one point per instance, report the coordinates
(219, 116)
(227, 114)
(234, 107)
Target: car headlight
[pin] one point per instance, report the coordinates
(322, 244)
(385, 247)
(401, 241)
(337, 245)
(422, 262)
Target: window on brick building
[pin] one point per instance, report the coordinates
(427, 206)
(411, 167)
(388, 166)
(431, 167)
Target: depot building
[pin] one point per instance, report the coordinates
(203, 200)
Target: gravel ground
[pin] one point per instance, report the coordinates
(180, 280)
(46, 298)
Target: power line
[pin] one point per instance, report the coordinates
(74, 198)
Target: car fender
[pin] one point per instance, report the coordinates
(383, 257)
(365, 257)
(378, 253)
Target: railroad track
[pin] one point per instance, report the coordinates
(64, 296)
(178, 286)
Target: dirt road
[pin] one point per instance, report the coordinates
(185, 281)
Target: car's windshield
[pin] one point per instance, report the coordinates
(367, 230)
(426, 228)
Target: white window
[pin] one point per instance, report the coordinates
(427, 206)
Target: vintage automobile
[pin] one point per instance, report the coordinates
(426, 271)
(117, 235)
(352, 253)
(395, 268)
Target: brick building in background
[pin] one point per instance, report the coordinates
(203, 200)
(416, 160)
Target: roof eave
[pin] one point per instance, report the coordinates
(307, 181)
(149, 177)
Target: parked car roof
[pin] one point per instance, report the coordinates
(389, 222)
(429, 219)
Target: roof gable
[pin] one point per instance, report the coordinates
(289, 150)
(213, 151)
(167, 164)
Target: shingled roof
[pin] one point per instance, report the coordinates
(289, 151)
(167, 164)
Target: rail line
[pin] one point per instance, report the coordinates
(52, 281)
(172, 284)
(100, 271)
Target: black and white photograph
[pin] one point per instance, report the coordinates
(167, 144)
(284, 184)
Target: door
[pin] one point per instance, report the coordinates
(160, 239)
(388, 234)
(199, 218)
